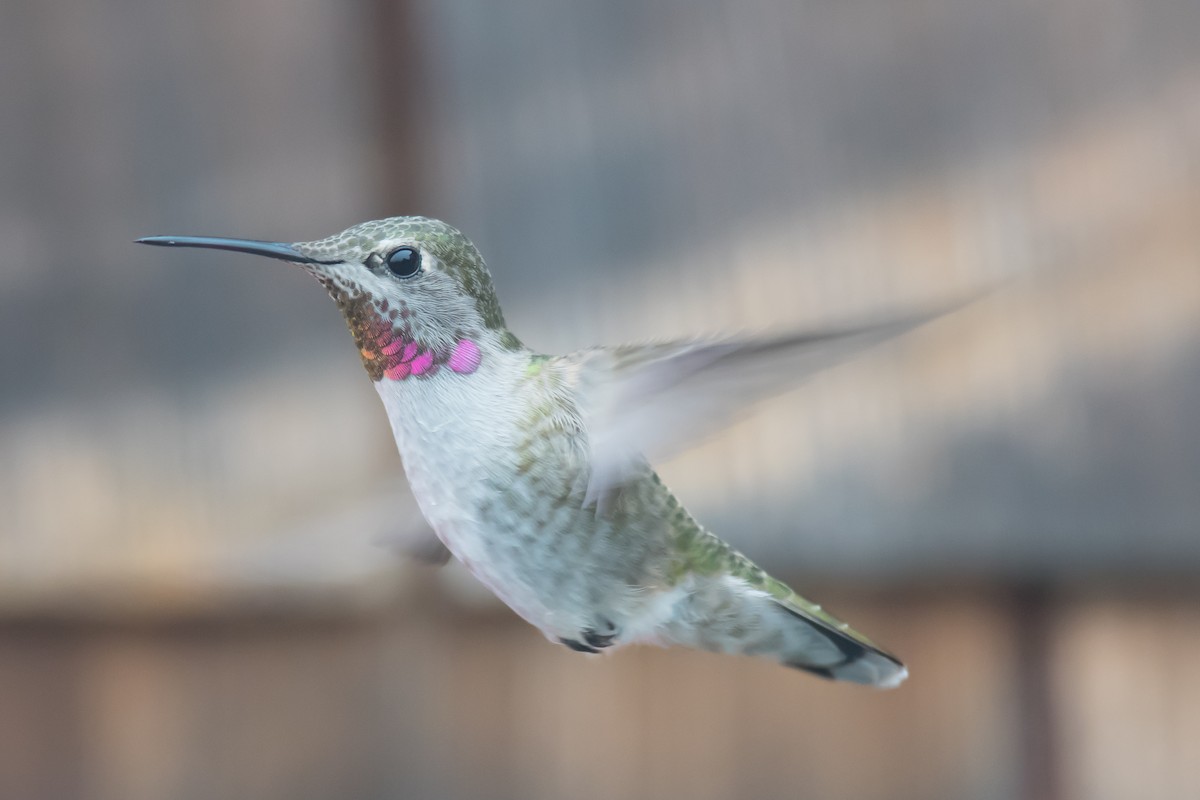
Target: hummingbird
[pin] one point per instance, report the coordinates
(535, 470)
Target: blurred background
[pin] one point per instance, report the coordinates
(199, 493)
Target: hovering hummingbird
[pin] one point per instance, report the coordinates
(534, 470)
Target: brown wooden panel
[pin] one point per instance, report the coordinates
(480, 705)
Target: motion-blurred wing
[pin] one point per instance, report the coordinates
(652, 401)
(424, 547)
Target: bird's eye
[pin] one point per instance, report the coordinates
(404, 262)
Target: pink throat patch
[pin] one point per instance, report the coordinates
(390, 349)
(465, 358)
(402, 358)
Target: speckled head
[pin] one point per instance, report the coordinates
(415, 292)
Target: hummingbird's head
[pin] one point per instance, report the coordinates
(414, 291)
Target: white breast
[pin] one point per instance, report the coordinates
(457, 437)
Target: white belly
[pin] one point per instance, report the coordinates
(446, 504)
(454, 435)
(523, 533)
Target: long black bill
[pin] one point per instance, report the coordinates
(284, 252)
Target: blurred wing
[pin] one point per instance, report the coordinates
(397, 525)
(423, 546)
(649, 402)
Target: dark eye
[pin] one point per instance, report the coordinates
(404, 262)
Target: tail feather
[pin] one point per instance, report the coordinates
(859, 661)
(727, 614)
